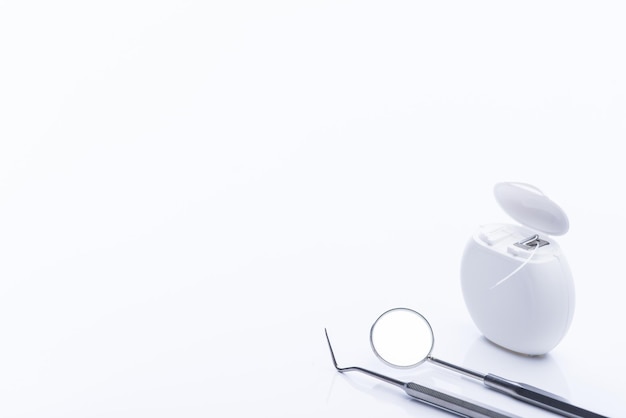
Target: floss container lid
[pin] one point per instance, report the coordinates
(530, 207)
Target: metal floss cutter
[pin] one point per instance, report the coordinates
(515, 280)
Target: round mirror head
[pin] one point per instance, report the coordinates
(402, 338)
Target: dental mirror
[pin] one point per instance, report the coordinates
(403, 338)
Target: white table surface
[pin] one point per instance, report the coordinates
(191, 191)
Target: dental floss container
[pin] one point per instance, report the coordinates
(515, 280)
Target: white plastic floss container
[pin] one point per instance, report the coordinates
(516, 282)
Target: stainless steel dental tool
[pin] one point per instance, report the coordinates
(444, 401)
(403, 338)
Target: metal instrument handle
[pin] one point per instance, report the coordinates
(451, 403)
(537, 397)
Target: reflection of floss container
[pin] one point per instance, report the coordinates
(517, 285)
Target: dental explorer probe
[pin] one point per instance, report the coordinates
(444, 401)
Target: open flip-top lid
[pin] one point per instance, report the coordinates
(529, 206)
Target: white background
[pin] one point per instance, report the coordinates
(191, 191)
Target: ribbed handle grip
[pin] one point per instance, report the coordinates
(458, 406)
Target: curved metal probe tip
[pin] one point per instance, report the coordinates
(332, 354)
(359, 369)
